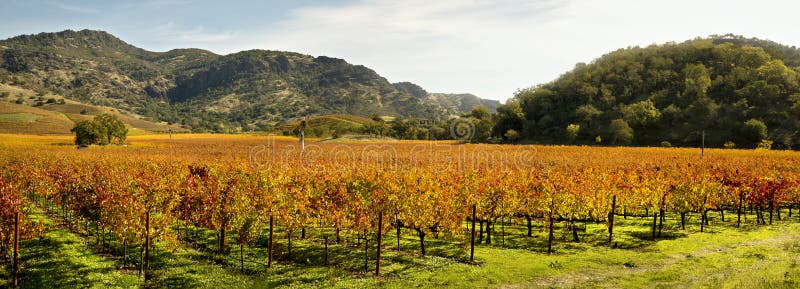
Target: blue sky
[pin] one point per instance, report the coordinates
(489, 48)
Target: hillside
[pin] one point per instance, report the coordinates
(451, 103)
(23, 111)
(201, 90)
(737, 90)
(327, 125)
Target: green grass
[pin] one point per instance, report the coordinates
(24, 117)
(61, 259)
(754, 256)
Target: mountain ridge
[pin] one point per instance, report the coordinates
(204, 91)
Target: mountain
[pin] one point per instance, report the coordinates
(726, 90)
(462, 102)
(452, 103)
(203, 91)
(24, 111)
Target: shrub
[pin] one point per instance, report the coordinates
(764, 145)
(572, 131)
(511, 135)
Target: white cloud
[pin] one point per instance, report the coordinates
(170, 32)
(493, 48)
(73, 8)
(446, 46)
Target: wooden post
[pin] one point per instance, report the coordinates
(326, 250)
(771, 206)
(703, 148)
(269, 249)
(503, 231)
(380, 233)
(16, 250)
(702, 220)
(366, 252)
(611, 218)
(472, 239)
(397, 227)
(550, 233)
(302, 135)
(739, 210)
(147, 247)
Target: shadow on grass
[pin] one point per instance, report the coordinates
(46, 266)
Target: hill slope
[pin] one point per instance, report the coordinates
(735, 89)
(24, 111)
(451, 103)
(199, 89)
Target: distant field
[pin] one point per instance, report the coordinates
(54, 118)
(15, 118)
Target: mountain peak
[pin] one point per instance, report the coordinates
(202, 90)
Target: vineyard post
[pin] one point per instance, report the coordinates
(366, 252)
(702, 220)
(655, 220)
(397, 227)
(611, 218)
(771, 205)
(302, 135)
(326, 250)
(503, 231)
(380, 233)
(550, 220)
(703, 147)
(16, 250)
(472, 238)
(269, 249)
(530, 228)
(147, 246)
(739, 210)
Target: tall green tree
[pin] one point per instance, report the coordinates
(102, 130)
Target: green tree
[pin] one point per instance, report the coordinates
(697, 81)
(572, 131)
(643, 113)
(754, 130)
(102, 130)
(112, 128)
(482, 121)
(620, 132)
(86, 133)
(510, 117)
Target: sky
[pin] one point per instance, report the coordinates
(488, 48)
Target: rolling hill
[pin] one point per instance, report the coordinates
(201, 90)
(24, 111)
(723, 90)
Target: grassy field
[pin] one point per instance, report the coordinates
(16, 118)
(754, 256)
(55, 118)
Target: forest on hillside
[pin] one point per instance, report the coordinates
(738, 92)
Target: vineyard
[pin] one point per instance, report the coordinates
(259, 207)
